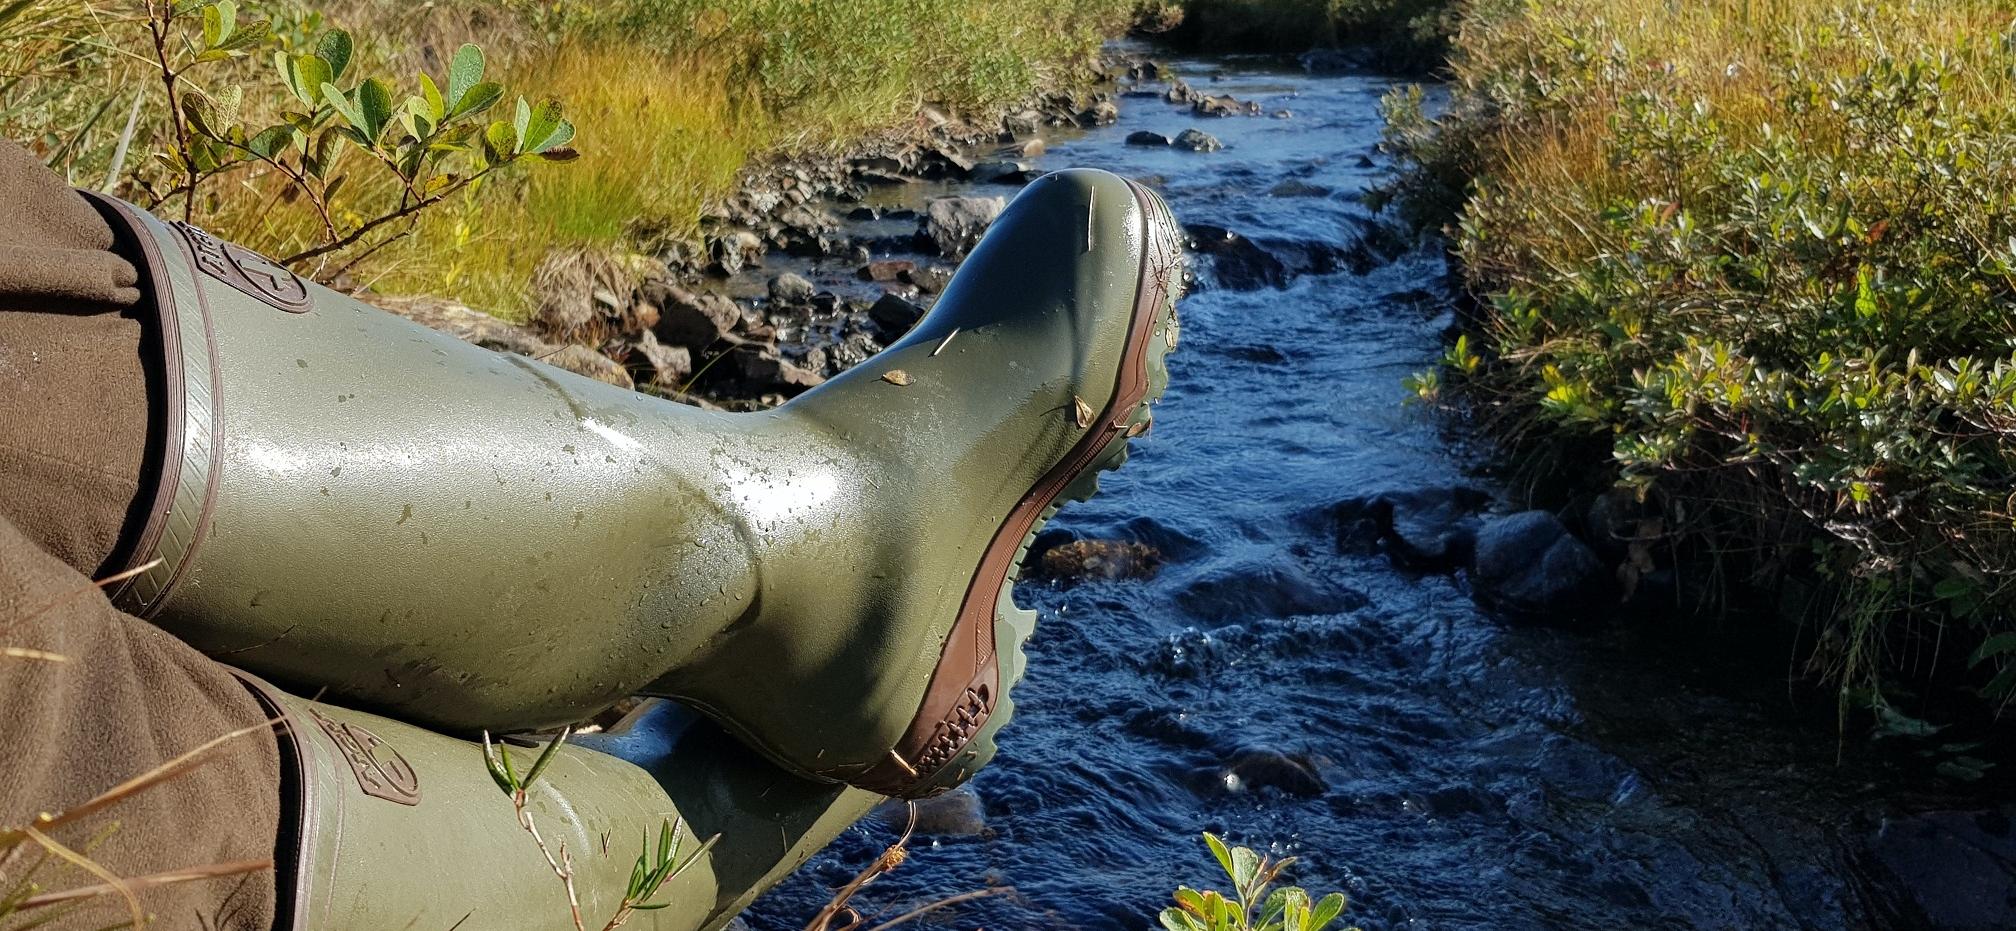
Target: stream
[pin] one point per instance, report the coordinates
(1444, 769)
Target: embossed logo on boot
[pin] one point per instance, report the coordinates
(246, 271)
(381, 772)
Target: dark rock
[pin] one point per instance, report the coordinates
(886, 270)
(1296, 188)
(1331, 60)
(1257, 770)
(1021, 123)
(862, 214)
(1529, 566)
(1947, 870)
(736, 251)
(957, 813)
(665, 366)
(791, 288)
(942, 161)
(1144, 137)
(582, 360)
(1423, 529)
(765, 368)
(1098, 560)
(1236, 262)
(1223, 105)
(1002, 172)
(953, 225)
(690, 319)
(1103, 113)
(1265, 590)
(1364, 161)
(931, 279)
(1197, 141)
(1170, 726)
(894, 316)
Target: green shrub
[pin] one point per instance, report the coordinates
(1407, 35)
(1250, 906)
(1761, 255)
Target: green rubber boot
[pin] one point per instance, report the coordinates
(467, 540)
(375, 797)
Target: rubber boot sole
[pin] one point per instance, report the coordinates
(1143, 378)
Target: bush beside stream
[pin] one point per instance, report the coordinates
(1754, 260)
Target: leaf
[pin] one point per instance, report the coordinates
(251, 33)
(898, 377)
(545, 756)
(220, 20)
(1326, 911)
(1081, 412)
(431, 96)
(310, 73)
(271, 141)
(500, 141)
(544, 127)
(342, 105)
(1993, 647)
(1176, 920)
(480, 98)
(334, 49)
(374, 102)
(500, 772)
(521, 121)
(1218, 850)
(1245, 867)
(465, 71)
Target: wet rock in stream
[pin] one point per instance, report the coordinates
(1529, 566)
(952, 225)
(1265, 590)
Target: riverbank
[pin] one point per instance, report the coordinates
(1742, 282)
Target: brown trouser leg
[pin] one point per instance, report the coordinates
(90, 697)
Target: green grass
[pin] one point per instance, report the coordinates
(672, 98)
(1755, 259)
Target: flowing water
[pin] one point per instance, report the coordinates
(1444, 769)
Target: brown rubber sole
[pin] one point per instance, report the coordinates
(966, 701)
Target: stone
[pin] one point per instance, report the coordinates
(1002, 172)
(958, 813)
(952, 225)
(735, 251)
(1256, 770)
(1255, 589)
(1028, 148)
(687, 318)
(1144, 137)
(1222, 105)
(466, 323)
(1949, 870)
(791, 288)
(1530, 567)
(1022, 123)
(665, 366)
(1330, 61)
(1196, 140)
(1098, 560)
(1179, 92)
(1236, 261)
(763, 367)
(582, 360)
(931, 279)
(1103, 113)
(1431, 529)
(894, 316)
(886, 270)
(1283, 114)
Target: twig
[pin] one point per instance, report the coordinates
(158, 25)
(949, 900)
(891, 858)
(400, 214)
(151, 880)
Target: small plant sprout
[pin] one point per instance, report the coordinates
(649, 875)
(1250, 906)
